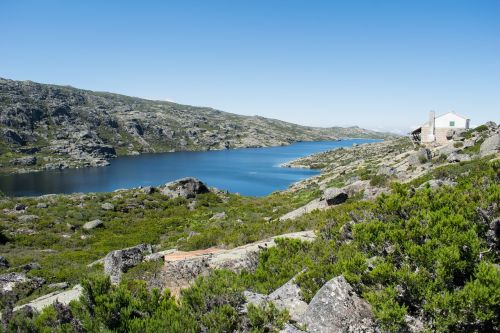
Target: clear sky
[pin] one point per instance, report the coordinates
(376, 64)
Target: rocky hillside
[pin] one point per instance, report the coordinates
(422, 257)
(54, 127)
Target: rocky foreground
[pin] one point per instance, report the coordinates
(406, 239)
(56, 127)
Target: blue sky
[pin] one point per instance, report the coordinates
(376, 64)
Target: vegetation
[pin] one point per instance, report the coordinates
(428, 253)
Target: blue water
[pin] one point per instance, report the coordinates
(251, 171)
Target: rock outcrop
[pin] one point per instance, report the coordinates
(336, 308)
(118, 262)
(181, 268)
(455, 157)
(186, 188)
(24, 161)
(334, 196)
(16, 285)
(491, 145)
(422, 156)
(63, 297)
(331, 196)
(287, 297)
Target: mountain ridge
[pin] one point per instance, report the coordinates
(46, 126)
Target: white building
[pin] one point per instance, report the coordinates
(437, 129)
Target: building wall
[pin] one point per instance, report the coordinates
(440, 134)
(424, 137)
(444, 121)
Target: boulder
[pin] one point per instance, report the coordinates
(18, 284)
(422, 156)
(107, 206)
(446, 150)
(148, 190)
(59, 285)
(469, 143)
(13, 137)
(93, 224)
(334, 196)
(24, 161)
(455, 157)
(20, 207)
(288, 297)
(356, 187)
(62, 297)
(413, 325)
(30, 266)
(119, 261)
(218, 216)
(185, 188)
(491, 124)
(336, 308)
(491, 145)
(42, 205)
(307, 208)
(4, 263)
(252, 298)
(458, 135)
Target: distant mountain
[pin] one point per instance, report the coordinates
(46, 126)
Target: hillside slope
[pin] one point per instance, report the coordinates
(62, 127)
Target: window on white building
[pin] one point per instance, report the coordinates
(452, 123)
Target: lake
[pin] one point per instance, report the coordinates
(248, 171)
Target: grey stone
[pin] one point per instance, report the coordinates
(288, 297)
(19, 207)
(288, 328)
(218, 216)
(24, 161)
(148, 190)
(18, 284)
(13, 137)
(254, 299)
(336, 308)
(119, 261)
(107, 206)
(62, 297)
(30, 266)
(491, 145)
(422, 156)
(42, 205)
(59, 285)
(334, 196)
(316, 204)
(455, 157)
(469, 143)
(186, 188)
(93, 224)
(4, 263)
(413, 325)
